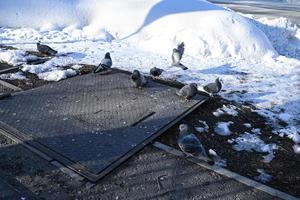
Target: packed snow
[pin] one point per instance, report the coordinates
(222, 128)
(258, 59)
(229, 110)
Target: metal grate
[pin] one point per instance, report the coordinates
(92, 123)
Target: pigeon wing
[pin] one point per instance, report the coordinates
(106, 63)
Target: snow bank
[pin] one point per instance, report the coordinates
(283, 34)
(207, 29)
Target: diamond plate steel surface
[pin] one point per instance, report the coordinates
(92, 120)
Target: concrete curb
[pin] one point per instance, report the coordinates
(227, 173)
(13, 87)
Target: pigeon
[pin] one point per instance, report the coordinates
(213, 88)
(188, 91)
(180, 48)
(138, 79)
(190, 144)
(105, 64)
(156, 71)
(44, 49)
(177, 56)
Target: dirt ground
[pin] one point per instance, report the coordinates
(43, 179)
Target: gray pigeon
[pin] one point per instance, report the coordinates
(188, 91)
(138, 79)
(213, 88)
(156, 71)
(44, 49)
(189, 143)
(177, 56)
(105, 63)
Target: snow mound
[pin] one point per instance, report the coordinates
(222, 128)
(206, 29)
(282, 33)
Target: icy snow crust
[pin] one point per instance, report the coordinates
(140, 34)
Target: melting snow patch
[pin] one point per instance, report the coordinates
(229, 110)
(296, 148)
(222, 128)
(256, 131)
(203, 128)
(247, 125)
(76, 67)
(291, 132)
(263, 176)
(57, 75)
(15, 57)
(13, 76)
(249, 142)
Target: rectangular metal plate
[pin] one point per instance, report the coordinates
(94, 122)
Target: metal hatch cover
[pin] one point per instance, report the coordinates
(93, 123)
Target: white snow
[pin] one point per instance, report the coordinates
(140, 34)
(247, 125)
(14, 57)
(12, 76)
(252, 142)
(296, 148)
(154, 25)
(263, 176)
(76, 67)
(222, 128)
(229, 110)
(57, 75)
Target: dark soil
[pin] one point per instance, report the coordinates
(284, 168)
